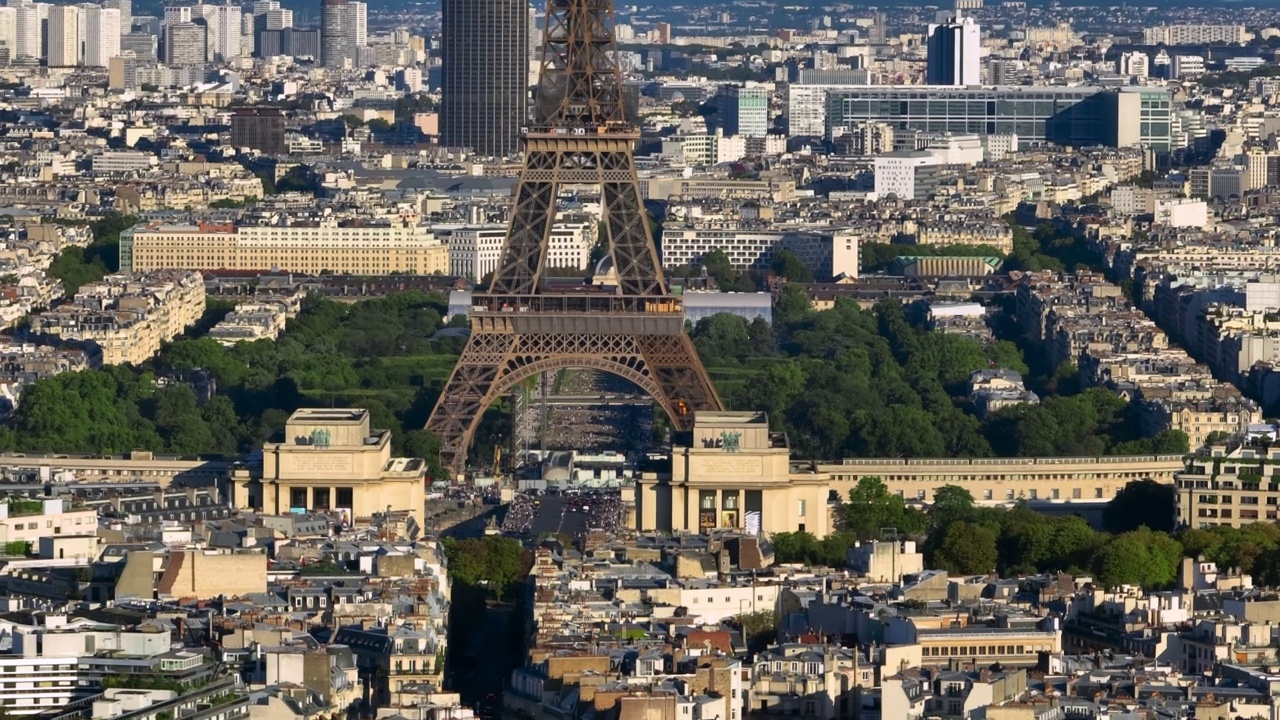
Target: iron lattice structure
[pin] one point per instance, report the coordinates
(580, 136)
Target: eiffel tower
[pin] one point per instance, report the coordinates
(580, 137)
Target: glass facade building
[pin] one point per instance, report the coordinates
(485, 57)
(1075, 116)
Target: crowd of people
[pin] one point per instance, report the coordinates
(588, 427)
(571, 512)
(520, 512)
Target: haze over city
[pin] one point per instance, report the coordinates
(471, 360)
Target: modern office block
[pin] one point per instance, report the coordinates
(101, 35)
(744, 110)
(185, 44)
(64, 36)
(486, 75)
(334, 33)
(1075, 116)
(954, 52)
(259, 128)
(126, 13)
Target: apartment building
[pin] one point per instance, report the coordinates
(126, 317)
(1011, 646)
(474, 251)
(29, 520)
(827, 252)
(62, 662)
(311, 249)
(1201, 418)
(260, 320)
(958, 232)
(1229, 485)
(1193, 34)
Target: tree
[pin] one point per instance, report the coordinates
(721, 336)
(788, 265)
(792, 304)
(426, 445)
(1140, 557)
(950, 502)
(1142, 503)
(718, 265)
(967, 549)
(378, 125)
(872, 508)
(495, 563)
(793, 547)
(759, 629)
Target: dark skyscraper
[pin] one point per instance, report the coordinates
(334, 33)
(258, 128)
(486, 74)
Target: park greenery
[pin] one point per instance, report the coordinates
(1138, 545)
(848, 382)
(377, 354)
(76, 266)
(496, 565)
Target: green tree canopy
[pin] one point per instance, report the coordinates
(1142, 503)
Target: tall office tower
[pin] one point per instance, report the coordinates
(122, 71)
(744, 110)
(185, 44)
(101, 35)
(955, 50)
(1134, 64)
(878, 30)
(142, 45)
(64, 36)
(278, 19)
(334, 33)
(30, 35)
(126, 13)
(9, 32)
(358, 26)
(485, 58)
(226, 42)
(177, 14)
(261, 7)
(212, 19)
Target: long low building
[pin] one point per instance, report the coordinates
(325, 248)
(137, 466)
(998, 481)
(1075, 116)
(732, 472)
(827, 252)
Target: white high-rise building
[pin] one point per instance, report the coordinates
(126, 13)
(279, 19)
(177, 14)
(64, 36)
(359, 24)
(955, 53)
(30, 39)
(101, 36)
(227, 32)
(1134, 64)
(211, 17)
(9, 31)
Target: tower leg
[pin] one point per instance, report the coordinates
(664, 366)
